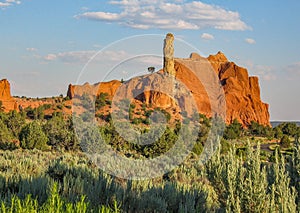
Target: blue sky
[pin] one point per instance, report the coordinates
(45, 44)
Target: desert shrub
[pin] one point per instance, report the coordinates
(59, 133)
(32, 136)
(285, 141)
(233, 130)
(15, 121)
(278, 132)
(289, 128)
(198, 148)
(101, 100)
(6, 137)
(74, 184)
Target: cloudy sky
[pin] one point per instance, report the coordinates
(45, 45)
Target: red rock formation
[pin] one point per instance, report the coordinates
(6, 99)
(10, 103)
(104, 87)
(242, 93)
(5, 90)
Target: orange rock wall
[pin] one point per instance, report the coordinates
(242, 93)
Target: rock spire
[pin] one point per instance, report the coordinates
(169, 55)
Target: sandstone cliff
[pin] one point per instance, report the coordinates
(215, 85)
(242, 93)
(5, 90)
(8, 102)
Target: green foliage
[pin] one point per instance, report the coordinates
(36, 181)
(250, 185)
(35, 114)
(233, 130)
(285, 141)
(55, 203)
(6, 137)
(101, 100)
(59, 133)
(278, 132)
(73, 184)
(198, 148)
(137, 121)
(32, 136)
(15, 121)
(289, 129)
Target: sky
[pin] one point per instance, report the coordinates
(45, 45)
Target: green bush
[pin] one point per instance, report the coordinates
(6, 137)
(233, 130)
(59, 133)
(32, 136)
(285, 141)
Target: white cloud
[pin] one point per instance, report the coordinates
(85, 55)
(4, 4)
(50, 57)
(207, 36)
(166, 14)
(8, 3)
(13, 1)
(102, 16)
(31, 49)
(250, 41)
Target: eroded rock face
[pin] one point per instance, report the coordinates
(8, 102)
(5, 90)
(241, 92)
(104, 87)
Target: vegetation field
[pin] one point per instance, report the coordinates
(43, 169)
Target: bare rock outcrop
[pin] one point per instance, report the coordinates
(242, 92)
(190, 77)
(169, 54)
(5, 90)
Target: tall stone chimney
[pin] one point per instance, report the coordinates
(169, 54)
